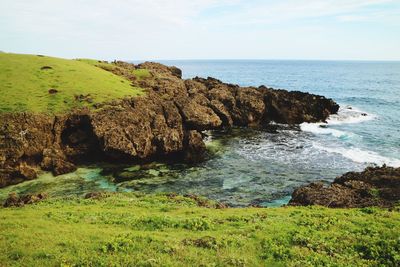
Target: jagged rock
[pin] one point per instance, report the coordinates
(222, 112)
(194, 88)
(141, 128)
(169, 87)
(27, 172)
(296, 107)
(197, 116)
(176, 72)
(62, 167)
(250, 106)
(121, 68)
(223, 95)
(378, 186)
(124, 132)
(55, 161)
(96, 195)
(23, 137)
(194, 147)
(14, 200)
(165, 123)
(161, 69)
(24, 134)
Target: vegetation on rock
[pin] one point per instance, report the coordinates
(375, 186)
(41, 84)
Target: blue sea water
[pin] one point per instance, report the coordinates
(366, 132)
(259, 167)
(370, 87)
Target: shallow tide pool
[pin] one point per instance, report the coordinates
(244, 167)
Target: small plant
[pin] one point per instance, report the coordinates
(275, 249)
(197, 224)
(15, 255)
(374, 192)
(203, 242)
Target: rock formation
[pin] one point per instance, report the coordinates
(379, 186)
(14, 200)
(168, 120)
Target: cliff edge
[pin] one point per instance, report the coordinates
(165, 121)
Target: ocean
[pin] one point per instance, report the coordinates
(366, 132)
(256, 167)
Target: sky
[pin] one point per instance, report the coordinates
(203, 29)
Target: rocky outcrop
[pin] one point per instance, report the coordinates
(296, 107)
(55, 161)
(165, 123)
(14, 200)
(379, 186)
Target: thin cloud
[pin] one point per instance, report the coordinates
(290, 10)
(199, 28)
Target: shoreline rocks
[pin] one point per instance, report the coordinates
(375, 186)
(166, 122)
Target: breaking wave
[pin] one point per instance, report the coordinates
(347, 115)
(360, 156)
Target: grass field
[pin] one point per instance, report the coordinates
(139, 73)
(25, 81)
(161, 230)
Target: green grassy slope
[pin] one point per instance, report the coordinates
(139, 73)
(148, 230)
(25, 84)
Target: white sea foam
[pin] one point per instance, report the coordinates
(349, 115)
(345, 115)
(321, 128)
(360, 156)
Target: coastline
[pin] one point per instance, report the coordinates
(136, 228)
(167, 121)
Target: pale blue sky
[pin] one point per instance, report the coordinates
(203, 29)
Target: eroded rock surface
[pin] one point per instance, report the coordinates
(378, 186)
(167, 121)
(14, 200)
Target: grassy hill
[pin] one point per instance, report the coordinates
(162, 230)
(44, 84)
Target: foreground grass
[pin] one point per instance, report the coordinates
(148, 230)
(25, 81)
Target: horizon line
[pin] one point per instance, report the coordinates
(264, 59)
(213, 59)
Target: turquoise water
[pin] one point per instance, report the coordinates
(257, 167)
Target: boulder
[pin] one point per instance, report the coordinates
(195, 148)
(55, 161)
(296, 107)
(27, 171)
(14, 200)
(197, 116)
(379, 186)
(250, 106)
(222, 112)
